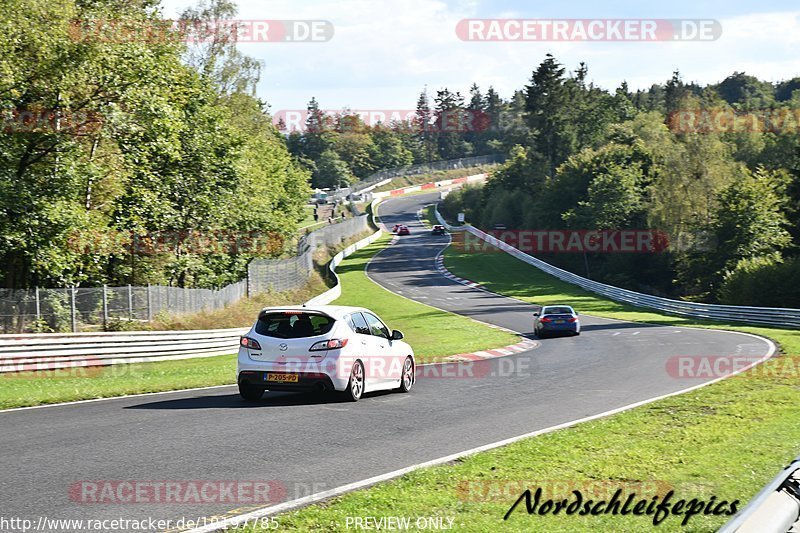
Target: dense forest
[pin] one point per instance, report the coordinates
(144, 157)
(119, 148)
(340, 147)
(725, 192)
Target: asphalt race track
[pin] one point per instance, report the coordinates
(308, 445)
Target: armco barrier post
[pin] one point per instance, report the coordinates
(149, 305)
(38, 306)
(105, 307)
(72, 309)
(130, 302)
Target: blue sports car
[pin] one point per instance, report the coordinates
(554, 319)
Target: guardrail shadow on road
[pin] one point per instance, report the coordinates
(234, 401)
(621, 325)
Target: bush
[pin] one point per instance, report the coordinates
(766, 281)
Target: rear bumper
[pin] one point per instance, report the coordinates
(310, 376)
(306, 381)
(556, 328)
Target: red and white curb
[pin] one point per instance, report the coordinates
(449, 275)
(522, 346)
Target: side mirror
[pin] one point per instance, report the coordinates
(396, 335)
(535, 314)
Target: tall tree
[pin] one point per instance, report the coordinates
(423, 124)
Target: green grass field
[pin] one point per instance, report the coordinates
(432, 333)
(37, 388)
(725, 440)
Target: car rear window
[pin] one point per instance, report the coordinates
(558, 311)
(293, 325)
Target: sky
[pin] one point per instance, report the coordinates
(383, 53)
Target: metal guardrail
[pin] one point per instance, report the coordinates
(776, 509)
(772, 316)
(54, 351)
(336, 291)
(387, 175)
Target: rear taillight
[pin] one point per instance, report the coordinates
(249, 343)
(332, 344)
(572, 320)
(545, 319)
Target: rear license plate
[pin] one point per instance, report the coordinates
(283, 378)
(561, 321)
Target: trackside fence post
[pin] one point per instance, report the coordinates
(149, 305)
(105, 307)
(72, 309)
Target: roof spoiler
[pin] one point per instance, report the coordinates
(294, 310)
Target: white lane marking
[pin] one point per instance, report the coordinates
(320, 496)
(635, 333)
(615, 333)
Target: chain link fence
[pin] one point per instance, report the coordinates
(293, 273)
(81, 308)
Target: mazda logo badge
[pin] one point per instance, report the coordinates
(283, 346)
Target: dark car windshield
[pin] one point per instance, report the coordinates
(557, 311)
(293, 325)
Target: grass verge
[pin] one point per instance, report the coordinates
(55, 386)
(727, 440)
(433, 333)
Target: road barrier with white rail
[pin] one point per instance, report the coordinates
(776, 509)
(772, 316)
(55, 351)
(432, 186)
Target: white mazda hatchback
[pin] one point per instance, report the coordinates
(323, 348)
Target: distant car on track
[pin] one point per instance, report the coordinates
(438, 229)
(403, 230)
(396, 227)
(554, 319)
(323, 348)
